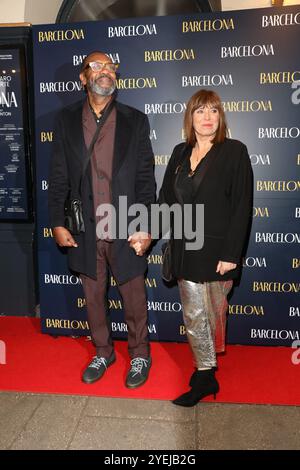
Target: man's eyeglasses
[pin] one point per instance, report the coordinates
(97, 66)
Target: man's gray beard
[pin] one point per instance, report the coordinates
(99, 90)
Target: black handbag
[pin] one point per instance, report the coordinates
(166, 269)
(73, 216)
(73, 206)
(166, 273)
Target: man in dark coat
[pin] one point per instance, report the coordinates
(120, 165)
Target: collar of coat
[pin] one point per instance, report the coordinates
(72, 121)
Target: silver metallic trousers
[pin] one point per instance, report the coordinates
(204, 314)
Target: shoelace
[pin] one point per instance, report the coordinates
(137, 364)
(98, 362)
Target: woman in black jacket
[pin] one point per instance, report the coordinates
(215, 171)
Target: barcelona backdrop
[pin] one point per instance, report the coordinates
(251, 59)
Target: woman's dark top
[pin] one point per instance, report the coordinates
(186, 183)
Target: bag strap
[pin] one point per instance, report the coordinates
(178, 169)
(95, 137)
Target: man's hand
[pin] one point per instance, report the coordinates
(63, 237)
(223, 267)
(140, 242)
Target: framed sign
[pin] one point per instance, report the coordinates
(15, 181)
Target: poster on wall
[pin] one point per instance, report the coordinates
(14, 155)
(250, 58)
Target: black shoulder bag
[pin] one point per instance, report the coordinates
(73, 206)
(166, 270)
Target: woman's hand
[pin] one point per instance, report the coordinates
(223, 267)
(140, 242)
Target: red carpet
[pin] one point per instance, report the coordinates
(41, 364)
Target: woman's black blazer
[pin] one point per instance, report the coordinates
(226, 192)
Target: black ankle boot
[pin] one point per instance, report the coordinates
(203, 384)
(192, 379)
(194, 375)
